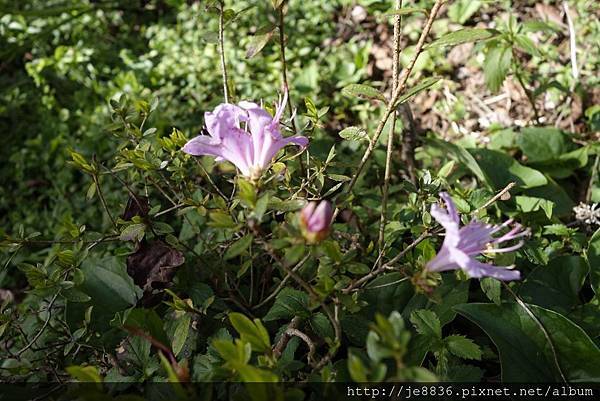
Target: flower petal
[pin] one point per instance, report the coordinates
(224, 118)
(450, 207)
(476, 269)
(203, 145)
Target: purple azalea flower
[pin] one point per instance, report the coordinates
(463, 244)
(315, 219)
(251, 148)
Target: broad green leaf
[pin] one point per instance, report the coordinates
(421, 86)
(354, 134)
(503, 169)
(463, 347)
(557, 285)
(109, 286)
(362, 91)
(252, 374)
(527, 45)
(496, 66)
(464, 35)
(593, 258)
(529, 204)
(541, 144)
(288, 304)
(426, 323)
(357, 369)
(526, 353)
(238, 247)
(321, 325)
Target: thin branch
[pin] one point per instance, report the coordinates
(222, 52)
(395, 96)
(390, 142)
(307, 340)
(41, 331)
(385, 266)
(103, 201)
(285, 337)
(495, 198)
(572, 42)
(210, 181)
(284, 67)
(282, 283)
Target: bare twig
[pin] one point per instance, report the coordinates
(391, 105)
(385, 266)
(390, 142)
(222, 52)
(43, 328)
(572, 42)
(495, 198)
(103, 201)
(285, 337)
(284, 76)
(307, 340)
(282, 283)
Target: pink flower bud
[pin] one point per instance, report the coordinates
(315, 220)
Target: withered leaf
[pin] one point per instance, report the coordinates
(136, 206)
(153, 264)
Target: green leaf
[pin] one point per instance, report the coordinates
(251, 374)
(251, 332)
(496, 66)
(85, 373)
(541, 144)
(491, 288)
(357, 369)
(557, 285)
(503, 169)
(529, 204)
(463, 347)
(109, 286)
(362, 91)
(525, 353)
(460, 11)
(421, 86)
(259, 42)
(288, 304)
(238, 247)
(461, 155)
(527, 45)
(321, 326)
(593, 258)
(406, 11)
(133, 232)
(181, 333)
(235, 354)
(427, 323)
(464, 35)
(354, 134)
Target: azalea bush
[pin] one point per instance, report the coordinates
(302, 222)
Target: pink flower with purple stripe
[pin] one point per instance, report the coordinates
(463, 244)
(244, 134)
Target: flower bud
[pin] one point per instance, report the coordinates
(315, 220)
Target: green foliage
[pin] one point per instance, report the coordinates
(124, 259)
